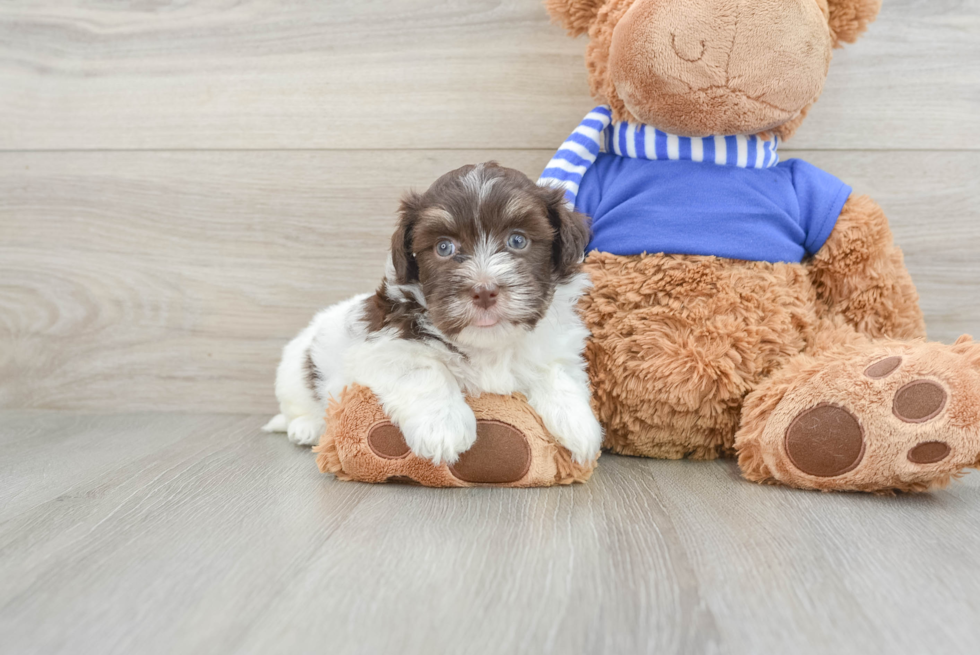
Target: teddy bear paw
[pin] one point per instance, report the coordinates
(906, 420)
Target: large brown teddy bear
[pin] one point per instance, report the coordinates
(801, 349)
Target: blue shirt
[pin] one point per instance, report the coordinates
(777, 214)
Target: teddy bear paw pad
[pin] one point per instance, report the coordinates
(883, 368)
(919, 401)
(387, 441)
(500, 455)
(929, 452)
(825, 441)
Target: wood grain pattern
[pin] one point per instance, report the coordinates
(170, 281)
(243, 74)
(199, 534)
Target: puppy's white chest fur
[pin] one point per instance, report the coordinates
(487, 372)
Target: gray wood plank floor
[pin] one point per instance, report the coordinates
(169, 533)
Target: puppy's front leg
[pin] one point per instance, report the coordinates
(422, 397)
(561, 398)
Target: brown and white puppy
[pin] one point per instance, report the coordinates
(479, 296)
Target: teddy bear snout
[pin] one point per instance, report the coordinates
(706, 67)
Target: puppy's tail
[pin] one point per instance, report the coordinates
(279, 423)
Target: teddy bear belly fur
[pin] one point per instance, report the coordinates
(679, 341)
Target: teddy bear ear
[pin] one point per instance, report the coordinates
(849, 18)
(576, 16)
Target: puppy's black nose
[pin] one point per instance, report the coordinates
(485, 297)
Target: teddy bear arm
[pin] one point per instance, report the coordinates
(860, 275)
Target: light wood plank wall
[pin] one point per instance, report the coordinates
(183, 184)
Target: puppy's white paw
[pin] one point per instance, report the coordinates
(305, 430)
(442, 433)
(279, 423)
(574, 427)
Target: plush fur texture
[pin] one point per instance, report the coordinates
(679, 341)
(704, 67)
(479, 297)
(848, 19)
(574, 15)
(704, 357)
(860, 275)
(345, 451)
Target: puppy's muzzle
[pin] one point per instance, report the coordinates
(485, 296)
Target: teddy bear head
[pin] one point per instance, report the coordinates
(712, 67)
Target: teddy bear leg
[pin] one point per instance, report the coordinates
(879, 416)
(512, 447)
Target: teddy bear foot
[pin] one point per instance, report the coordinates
(888, 417)
(512, 447)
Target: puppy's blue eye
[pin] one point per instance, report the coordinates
(445, 248)
(517, 241)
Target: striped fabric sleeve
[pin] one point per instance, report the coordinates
(579, 151)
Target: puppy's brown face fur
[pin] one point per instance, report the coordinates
(487, 247)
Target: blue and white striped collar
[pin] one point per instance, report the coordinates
(598, 133)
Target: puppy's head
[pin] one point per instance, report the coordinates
(487, 247)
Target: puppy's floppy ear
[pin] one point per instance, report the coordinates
(576, 16)
(571, 231)
(402, 256)
(850, 18)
